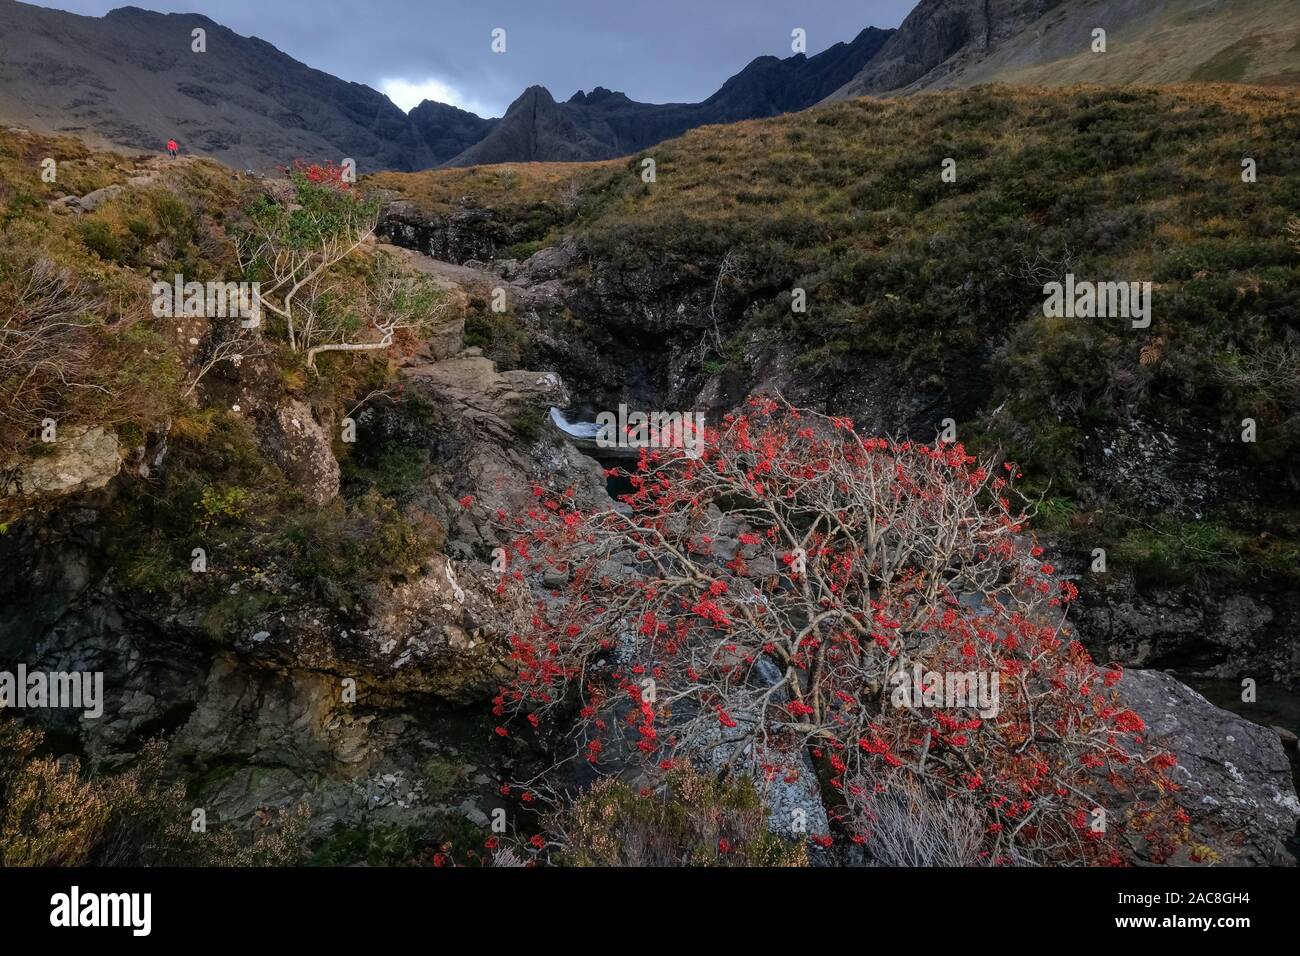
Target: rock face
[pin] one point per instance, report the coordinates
(298, 443)
(467, 232)
(502, 441)
(1211, 630)
(489, 398)
(345, 707)
(937, 31)
(441, 634)
(83, 459)
(946, 43)
(1236, 779)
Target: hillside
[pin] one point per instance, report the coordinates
(1245, 41)
(958, 43)
(130, 78)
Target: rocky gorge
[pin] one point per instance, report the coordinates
(343, 652)
(629, 330)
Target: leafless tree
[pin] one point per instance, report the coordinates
(728, 270)
(48, 344)
(1273, 371)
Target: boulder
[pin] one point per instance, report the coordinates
(82, 459)
(487, 398)
(1235, 777)
(553, 262)
(91, 201)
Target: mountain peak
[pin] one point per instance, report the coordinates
(538, 93)
(599, 94)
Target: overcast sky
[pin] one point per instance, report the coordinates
(656, 51)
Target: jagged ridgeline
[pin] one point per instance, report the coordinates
(131, 78)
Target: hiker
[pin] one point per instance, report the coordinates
(172, 148)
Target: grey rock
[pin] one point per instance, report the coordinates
(83, 459)
(1235, 777)
(471, 812)
(296, 442)
(93, 200)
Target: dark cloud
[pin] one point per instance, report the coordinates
(656, 51)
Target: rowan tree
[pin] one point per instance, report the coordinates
(757, 603)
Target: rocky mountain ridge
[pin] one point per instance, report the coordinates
(132, 78)
(604, 124)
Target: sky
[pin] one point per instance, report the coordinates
(656, 51)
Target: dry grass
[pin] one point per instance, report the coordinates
(502, 186)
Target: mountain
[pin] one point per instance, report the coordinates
(447, 130)
(957, 43)
(603, 124)
(535, 127)
(131, 78)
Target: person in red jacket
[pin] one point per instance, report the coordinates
(172, 148)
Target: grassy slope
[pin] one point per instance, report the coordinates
(136, 371)
(509, 187)
(932, 280)
(1190, 39)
